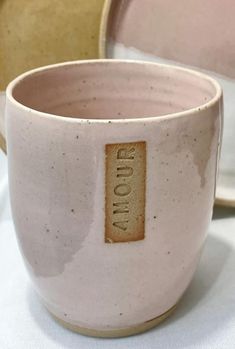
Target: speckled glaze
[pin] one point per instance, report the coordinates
(58, 120)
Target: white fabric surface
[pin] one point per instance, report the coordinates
(204, 319)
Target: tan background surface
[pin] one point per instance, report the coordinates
(36, 33)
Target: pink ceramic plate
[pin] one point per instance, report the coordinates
(196, 33)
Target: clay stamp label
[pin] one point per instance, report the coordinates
(125, 174)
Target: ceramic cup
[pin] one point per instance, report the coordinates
(112, 173)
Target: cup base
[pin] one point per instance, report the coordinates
(114, 333)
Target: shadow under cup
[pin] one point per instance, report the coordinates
(112, 172)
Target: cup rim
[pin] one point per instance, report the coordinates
(218, 92)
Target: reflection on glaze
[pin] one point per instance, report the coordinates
(53, 227)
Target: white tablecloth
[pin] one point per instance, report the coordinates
(205, 318)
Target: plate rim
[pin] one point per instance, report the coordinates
(103, 31)
(220, 201)
(104, 28)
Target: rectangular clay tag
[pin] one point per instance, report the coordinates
(125, 174)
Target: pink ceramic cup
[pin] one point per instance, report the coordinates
(112, 172)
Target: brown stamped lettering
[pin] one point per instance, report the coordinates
(125, 174)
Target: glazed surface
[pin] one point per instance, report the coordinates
(57, 187)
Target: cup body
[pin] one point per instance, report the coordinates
(112, 173)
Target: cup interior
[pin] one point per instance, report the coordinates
(113, 90)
